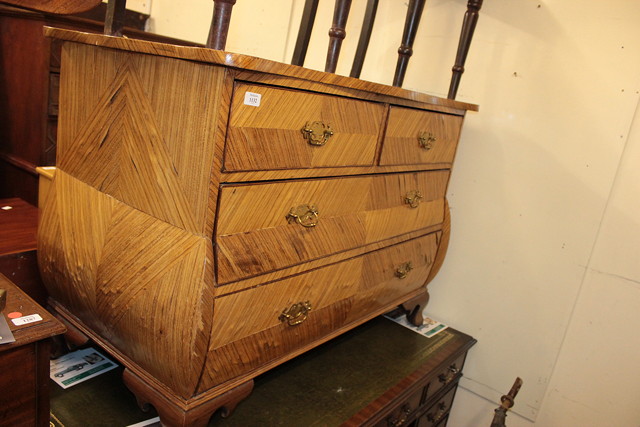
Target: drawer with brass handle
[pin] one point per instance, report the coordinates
(284, 128)
(279, 317)
(267, 227)
(438, 411)
(446, 376)
(420, 137)
(403, 414)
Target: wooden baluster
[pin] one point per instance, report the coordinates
(411, 23)
(337, 33)
(114, 21)
(365, 36)
(304, 33)
(468, 27)
(220, 24)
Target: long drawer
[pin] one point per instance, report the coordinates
(265, 227)
(251, 328)
(273, 128)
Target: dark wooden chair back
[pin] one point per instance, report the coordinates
(222, 15)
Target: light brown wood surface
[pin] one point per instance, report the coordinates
(401, 143)
(166, 234)
(254, 236)
(250, 63)
(269, 136)
(249, 333)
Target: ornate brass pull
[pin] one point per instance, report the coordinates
(317, 133)
(435, 418)
(305, 215)
(413, 198)
(295, 314)
(404, 269)
(397, 422)
(446, 378)
(426, 140)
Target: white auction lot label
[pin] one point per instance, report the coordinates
(26, 319)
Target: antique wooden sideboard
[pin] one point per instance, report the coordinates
(214, 215)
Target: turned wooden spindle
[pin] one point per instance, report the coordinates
(304, 33)
(337, 34)
(220, 24)
(468, 27)
(411, 23)
(114, 20)
(365, 36)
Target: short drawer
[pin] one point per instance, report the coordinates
(439, 411)
(273, 128)
(420, 137)
(264, 323)
(402, 415)
(266, 227)
(447, 375)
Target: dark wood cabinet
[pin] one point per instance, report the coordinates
(379, 374)
(24, 364)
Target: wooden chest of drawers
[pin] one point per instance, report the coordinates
(214, 215)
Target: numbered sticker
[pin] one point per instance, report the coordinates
(253, 99)
(26, 319)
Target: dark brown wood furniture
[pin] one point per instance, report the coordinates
(24, 364)
(18, 262)
(379, 374)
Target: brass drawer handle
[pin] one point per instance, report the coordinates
(404, 269)
(426, 140)
(435, 418)
(305, 215)
(446, 378)
(413, 198)
(317, 133)
(397, 422)
(295, 314)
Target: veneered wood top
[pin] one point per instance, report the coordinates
(251, 63)
(18, 301)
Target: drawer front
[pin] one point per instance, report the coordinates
(420, 137)
(256, 234)
(437, 413)
(251, 329)
(447, 375)
(402, 415)
(271, 136)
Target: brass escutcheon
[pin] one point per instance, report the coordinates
(305, 215)
(404, 269)
(413, 198)
(426, 140)
(317, 133)
(295, 314)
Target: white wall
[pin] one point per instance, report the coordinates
(543, 266)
